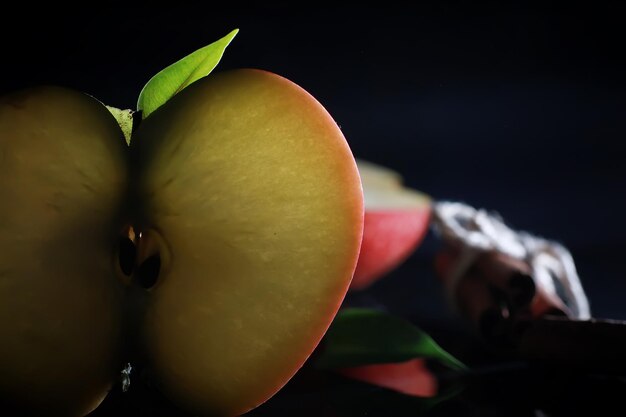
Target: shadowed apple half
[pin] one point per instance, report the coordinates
(63, 177)
(251, 199)
(396, 221)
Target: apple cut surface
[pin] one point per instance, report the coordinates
(63, 170)
(396, 221)
(375, 175)
(257, 198)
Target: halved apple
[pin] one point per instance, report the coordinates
(251, 198)
(396, 221)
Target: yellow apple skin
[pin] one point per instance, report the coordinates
(62, 179)
(255, 193)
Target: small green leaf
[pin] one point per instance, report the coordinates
(124, 119)
(360, 336)
(169, 81)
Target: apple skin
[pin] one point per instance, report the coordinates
(256, 198)
(411, 377)
(389, 238)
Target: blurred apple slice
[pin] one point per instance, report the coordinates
(378, 176)
(411, 377)
(396, 221)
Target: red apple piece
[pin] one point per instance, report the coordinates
(411, 377)
(396, 221)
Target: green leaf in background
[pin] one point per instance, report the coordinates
(169, 81)
(361, 336)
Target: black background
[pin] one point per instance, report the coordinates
(520, 110)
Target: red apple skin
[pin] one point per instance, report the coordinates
(389, 238)
(411, 377)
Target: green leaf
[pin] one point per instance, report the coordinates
(169, 81)
(360, 336)
(124, 119)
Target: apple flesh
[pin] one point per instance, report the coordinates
(374, 175)
(63, 176)
(250, 188)
(396, 220)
